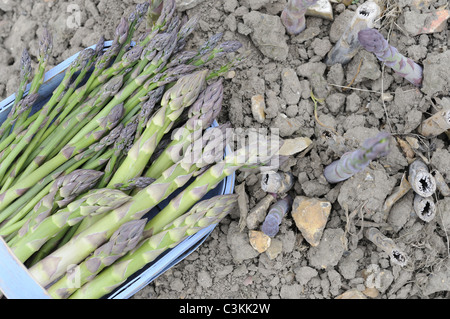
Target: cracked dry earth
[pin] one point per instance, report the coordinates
(280, 73)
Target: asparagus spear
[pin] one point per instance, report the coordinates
(45, 48)
(353, 162)
(104, 125)
(78, 119)
(63, 191)
(293, 15)
(125, 139)
(272, 222)
(202, 215)
(25, 73)
(81, 63)
(140, 182)
(90, 239)
(201, 115)
(94, 202)
(42, 118)
(15, 136)
(174, 101)
(27, 201)
(154, 11)
(125, 239)
(128, 90)
(373, 41)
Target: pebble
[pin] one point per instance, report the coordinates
(295, 146)
(259, 108)
(183, 5)
(352, 294)
(311, 216)
(321, 9)
(259, 241)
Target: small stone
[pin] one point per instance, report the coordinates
(371, 292)
(183, 5)
(230, 75)
(248, 281)
(259, 108)
(276, 247)
(321, 9)
(311, 216)
(295, 146)
(259, 241)
(352, 294)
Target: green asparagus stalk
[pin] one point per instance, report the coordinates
(42, 118)
(47, 248)
(201, 115)
(104, 125)
(201, 216)
(154, 11)
(45, 48)
(174, 101)
(25, 73)
(120, 147)
(125, 239)
(27, 201)
(201, 154)
(94, 202)
(139, 182)
(147, 110)
(127, 91)
(81, 62)
(15, 137)
(74, 123)
(134, 21)
(63, 191)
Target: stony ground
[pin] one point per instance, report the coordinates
(283, 70)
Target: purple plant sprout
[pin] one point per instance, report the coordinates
(354, 162)
(271, 224)
(293, 15)
(373, 41)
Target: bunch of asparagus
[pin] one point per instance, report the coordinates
(126, 127)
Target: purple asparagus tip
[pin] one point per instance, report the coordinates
(372, 40)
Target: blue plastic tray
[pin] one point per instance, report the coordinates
(16, 282)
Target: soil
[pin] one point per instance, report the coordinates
(284, 70)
